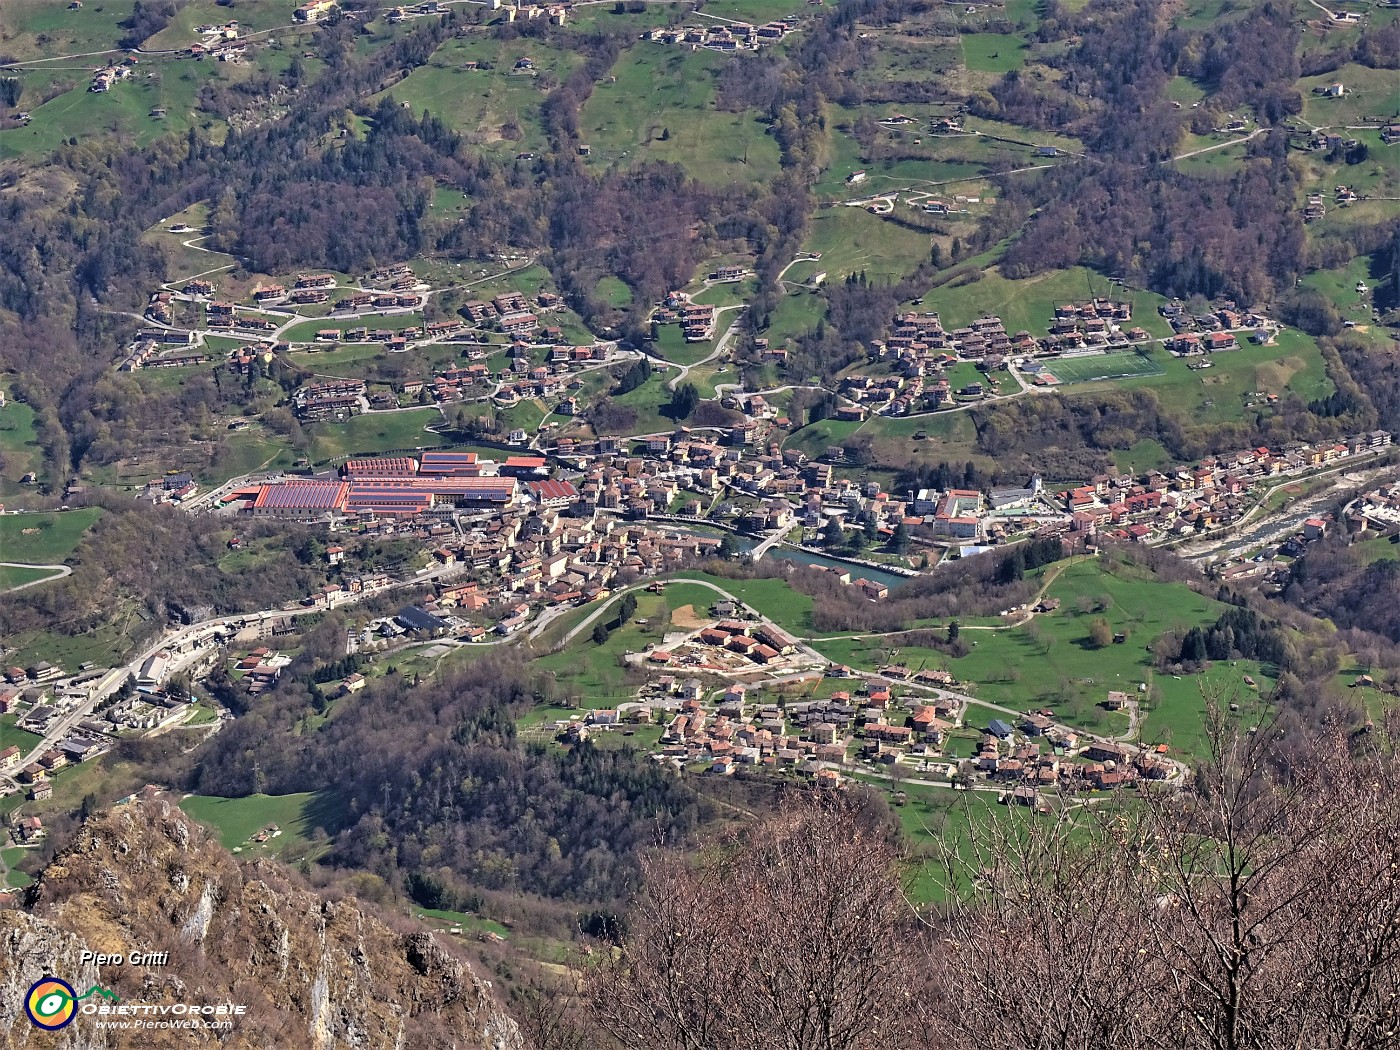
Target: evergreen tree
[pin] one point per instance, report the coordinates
(684, 401)
(833, 535)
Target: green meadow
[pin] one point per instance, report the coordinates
(299, 816)
(44, 538)
(659, 104)
(496, 104)
(378, 432)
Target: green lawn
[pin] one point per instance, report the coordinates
(814, 438)
(1368, 92)
(1097, 367)
(993, 52)
(613, 291)
(39, 30)
(202, 716)
(378, 432)
(1049, 662)
(19, 442)
(647, 401)
(755, 12)
(236, 820)
(306, 332)
(1218, 163)
(795, 314)
(1029, 305)
(14, 577)
(671, 344)
(105, 644)
(852, 240)
(659, 104)
(247, 451)
(12, 737)
(1339, 285)
(14, 878)
(1147, 454)
(496, 108)
(44, 537)
(1184, 90)
(252, 16)
(466, 920)
(773, 599)
(1222, 392)
(594, 672)
(124, 111)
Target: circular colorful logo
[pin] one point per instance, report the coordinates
(51, 1003)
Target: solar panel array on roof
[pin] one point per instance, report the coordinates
(301, 495)
(449, 463)
(395, 501)
(382, 466)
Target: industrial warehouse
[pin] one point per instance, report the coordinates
(399, 486)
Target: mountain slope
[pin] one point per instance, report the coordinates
(313, 972)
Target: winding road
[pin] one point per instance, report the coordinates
(57, 573)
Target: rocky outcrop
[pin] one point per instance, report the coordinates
(313, 972)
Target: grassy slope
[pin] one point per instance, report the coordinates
(236, 820)
(379, 432)
(660, 89)
(59, 533)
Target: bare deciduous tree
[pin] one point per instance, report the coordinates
(796, 934)
(1256, 907)
(1257, 910)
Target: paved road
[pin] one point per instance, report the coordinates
(186, 645)
(59, 571)
(720, 347)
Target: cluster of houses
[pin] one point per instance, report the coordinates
(219, 42)
(427, 7)
(723, 729)
(726, 37)
(1222, 319)
(511, 313)
(1343, 196)
(108, 75)
(332, 399)
(1189, 500)
(147, 353)
(1377, 510)
(536, 557)
(149, 709)
(918, 350)
(315, 11)
(697, 320)
(400, 278)
(171, 488)
(732, 646)
(38, 712)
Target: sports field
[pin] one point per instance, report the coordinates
(1089, 368)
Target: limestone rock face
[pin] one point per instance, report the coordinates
(314, 973)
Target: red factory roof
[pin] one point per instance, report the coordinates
(448, 463)
(382, 466)
(525, 462)
(438, 484)
(302, 495)
(388, 501)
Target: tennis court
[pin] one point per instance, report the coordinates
(1088, 368)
